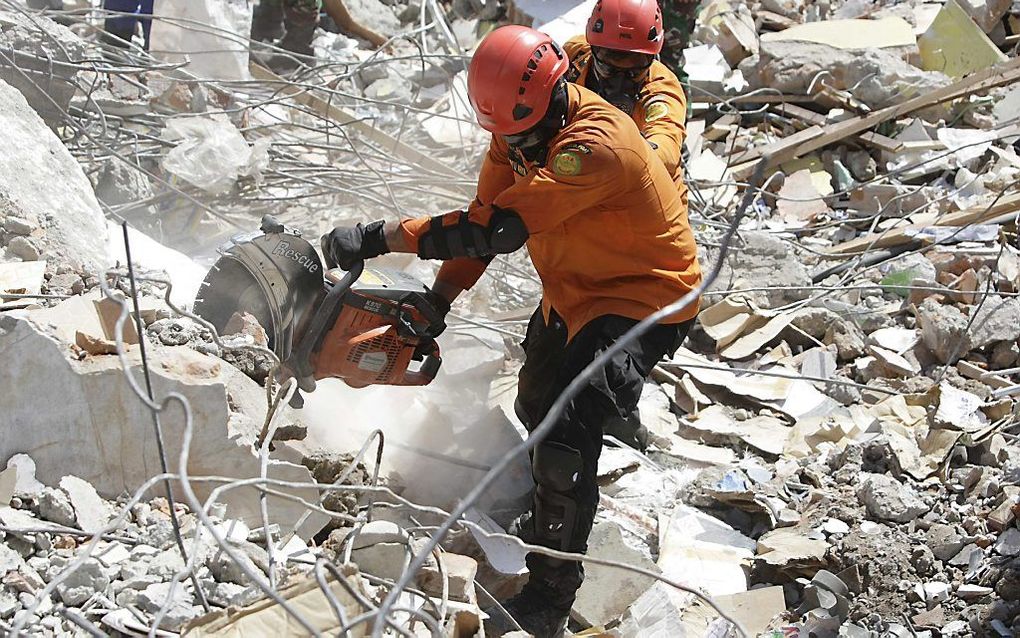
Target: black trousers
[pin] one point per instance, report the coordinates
(606, 404)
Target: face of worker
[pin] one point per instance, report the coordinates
(532, 141)
(620, 75)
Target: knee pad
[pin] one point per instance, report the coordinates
(556, 466)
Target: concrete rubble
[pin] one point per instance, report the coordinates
(833, 452)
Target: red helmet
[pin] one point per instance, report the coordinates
(626, 25)
(511, 78)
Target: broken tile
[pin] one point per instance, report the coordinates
(954, 45)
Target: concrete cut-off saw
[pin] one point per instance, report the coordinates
(366, 326)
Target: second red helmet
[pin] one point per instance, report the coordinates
(626, 25)
(511, 78)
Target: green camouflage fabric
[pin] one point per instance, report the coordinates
(678, 20)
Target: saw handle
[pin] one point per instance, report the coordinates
(428, 369)
(300, 361)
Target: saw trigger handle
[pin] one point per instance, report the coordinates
(429, 367)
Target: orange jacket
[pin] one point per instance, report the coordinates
(661, 108)
(608, 231)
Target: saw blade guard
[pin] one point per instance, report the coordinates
(273, 274)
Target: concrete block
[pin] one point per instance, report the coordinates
(607, 592)
(90, 512)
(98, 413)
(33, 161)
(385, 560)
(460, 570)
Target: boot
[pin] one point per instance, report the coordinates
(533, 613)
(267, 21)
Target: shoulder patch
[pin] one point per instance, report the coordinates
(656, 111)
(577, 146)
(567, 162)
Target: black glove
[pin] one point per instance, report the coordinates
(344, 246)
(437, 320)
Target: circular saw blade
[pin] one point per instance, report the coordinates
(274, 276)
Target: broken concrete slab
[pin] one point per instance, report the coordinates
(1008, 543)
(998, 319)
(944, 330)
(374, 15)
(944, 541)
(765, 433)
(172, 596)
(755, 609)
(764, 257)
(55, 506)
(90, 512)
(729, 26)
(19, 226)
(889, 500)
(460, 572)
(879, 77)
(385, 560)
(849, 34)
(33, 161)
(92, 315)
(266, 618)
(592, 606)
(703, 551)
(99, 412)
(955, 45)
(41, 61)
(8, 481)
(799, 200)
(790, 551)
(83, 582)
(22, 278)
(657, 612)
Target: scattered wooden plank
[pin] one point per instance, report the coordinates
(771, 21)
(800, 113)
(782, 151)
(344, 117)
(722, 127)
(900, 235)
(881, 142)
(980, 81)
(972, 371)
(975, 83)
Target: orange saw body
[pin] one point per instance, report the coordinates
(366, 326)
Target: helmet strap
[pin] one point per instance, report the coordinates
(552, 123)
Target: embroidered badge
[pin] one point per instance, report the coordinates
(566, 163)
(655, 111)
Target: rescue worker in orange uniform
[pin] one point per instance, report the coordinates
(616, 58)
(570, 176)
